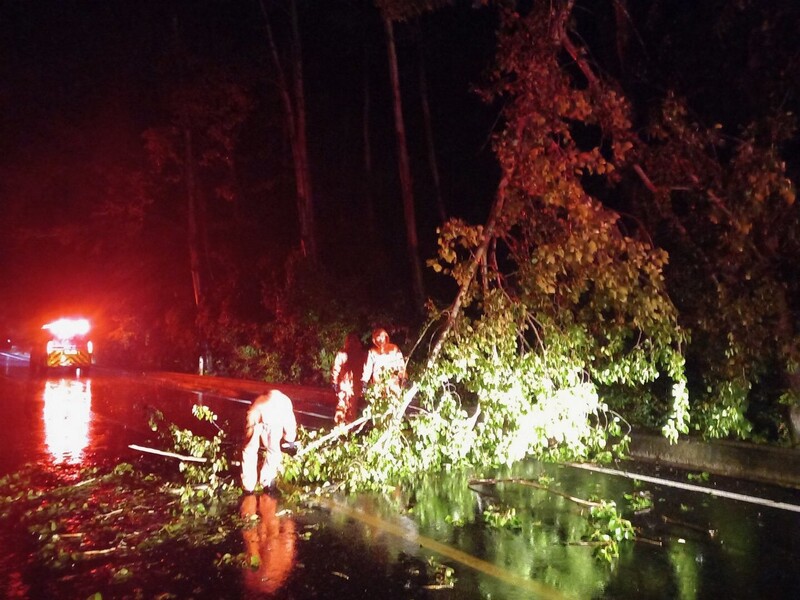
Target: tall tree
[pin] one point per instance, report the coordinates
(195, 238)
(582, 186)
(404, 168)
(366, 131)
(195, 151)
(569, 312)
(427, 120)
(293, 99)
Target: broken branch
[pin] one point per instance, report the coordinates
(168, 454)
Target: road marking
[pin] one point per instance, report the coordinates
(541, 590)
(690, 487)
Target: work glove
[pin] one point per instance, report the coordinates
(289, 448)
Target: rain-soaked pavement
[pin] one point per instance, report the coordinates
(691, 545)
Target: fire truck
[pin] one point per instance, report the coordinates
(63, 343)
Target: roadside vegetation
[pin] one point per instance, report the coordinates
(636, 260)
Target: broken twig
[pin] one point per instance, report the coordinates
(168, 454)
(538, 486)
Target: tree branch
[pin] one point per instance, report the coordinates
(334, 434)
(529, 483)
(168, 454)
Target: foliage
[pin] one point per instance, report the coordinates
(608, 528)
(639, 501)
(567, 304)
(711, 182)
(503, 518)
(203, 481)
(700, 477)
(725, 209)
(440, 575)
(118, 524)
(307, 314)
(617, 230)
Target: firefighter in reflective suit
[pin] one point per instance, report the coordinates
(348, 365)
(270, 420)
(385, 366)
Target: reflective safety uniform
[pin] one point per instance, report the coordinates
(270, 419)
(385, 365)
(348, 366)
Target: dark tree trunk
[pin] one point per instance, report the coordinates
(193, 228)
(369, 203)
(622, 21)
(303, 171)
(428, 123)
(296, 130)
(406, 184)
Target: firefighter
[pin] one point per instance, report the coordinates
(348, 366)
(270, 420)
(385, 366)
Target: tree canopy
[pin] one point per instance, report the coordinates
(629, 269)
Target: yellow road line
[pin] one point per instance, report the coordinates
(528, 585)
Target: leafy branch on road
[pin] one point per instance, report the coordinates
(118, 525)
(202, 480)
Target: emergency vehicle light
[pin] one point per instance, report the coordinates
(64, 329)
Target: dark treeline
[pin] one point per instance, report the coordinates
(225, 178)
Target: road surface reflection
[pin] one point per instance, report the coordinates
(269, 543)
(67, 416)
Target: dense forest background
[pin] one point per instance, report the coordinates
(231, 179)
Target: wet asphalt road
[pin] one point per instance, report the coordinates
(693, 545)
(64, 419)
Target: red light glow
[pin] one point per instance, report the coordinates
(64, 329)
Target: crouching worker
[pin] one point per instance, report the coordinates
(270, 420)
